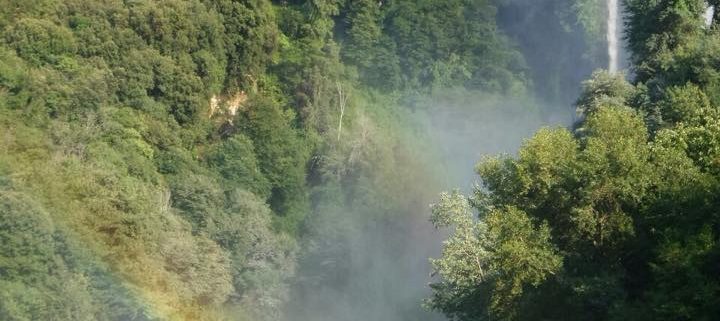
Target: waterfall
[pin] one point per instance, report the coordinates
(709, 12)
(612, 35)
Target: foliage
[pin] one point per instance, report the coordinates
(107, 142)
(425, 44)
(503, 251)
(628, 197)
(180, 143)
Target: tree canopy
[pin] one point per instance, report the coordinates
(614, 219)
(206, 159)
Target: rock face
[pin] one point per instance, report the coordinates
(227, 105)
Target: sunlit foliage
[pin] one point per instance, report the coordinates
(628, 197)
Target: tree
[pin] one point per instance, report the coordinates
(488, 263)
(281, 156)
(659, 30)
(234, 159)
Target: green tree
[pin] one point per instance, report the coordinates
(234, 159)
(281, 155)
(659, 30)
(488, 262)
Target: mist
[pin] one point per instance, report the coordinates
(275, 160)
(378, 268)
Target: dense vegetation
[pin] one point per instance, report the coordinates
(616, 219)
(175, 160)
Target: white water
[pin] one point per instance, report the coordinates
(709, 12)
(612, 35)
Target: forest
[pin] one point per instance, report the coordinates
(275, 160)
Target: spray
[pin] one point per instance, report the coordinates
(612, 35)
